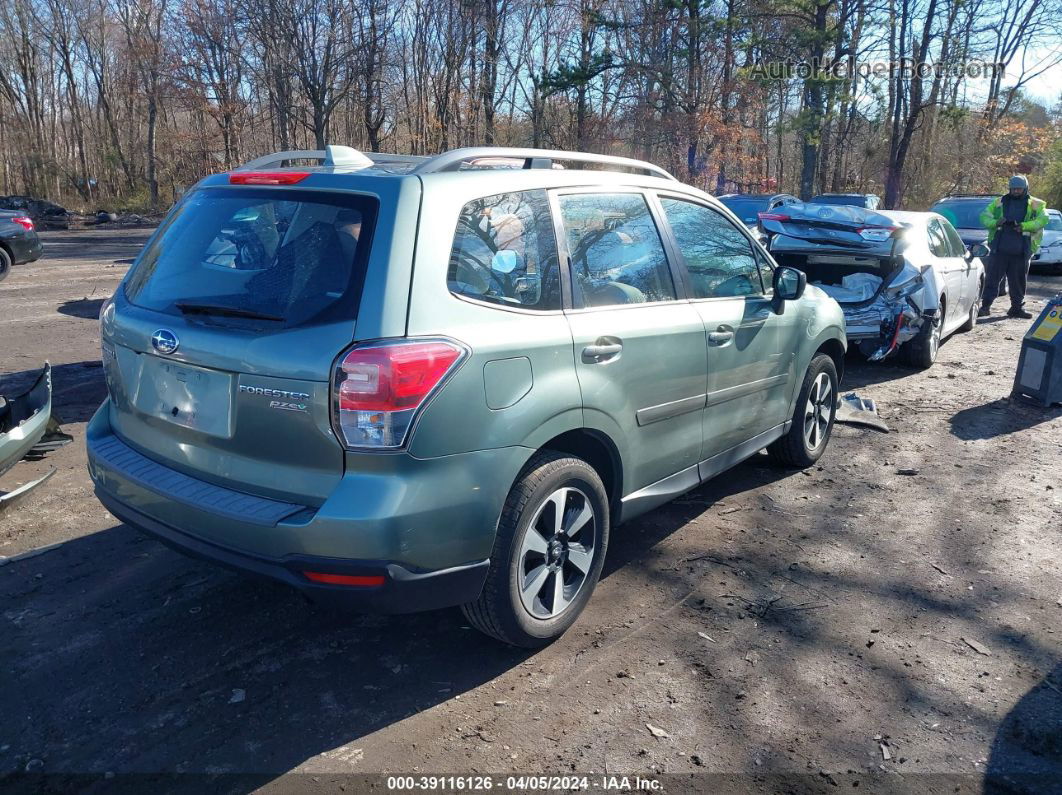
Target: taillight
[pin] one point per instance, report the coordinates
(773, 216)
(267, 177)
(24, 221)
(379, 387)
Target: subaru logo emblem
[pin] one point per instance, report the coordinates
(164, 341)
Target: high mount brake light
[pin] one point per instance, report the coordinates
(24, 221)
(267, 177)
(378, 388)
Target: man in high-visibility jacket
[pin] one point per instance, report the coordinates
(1015, 224)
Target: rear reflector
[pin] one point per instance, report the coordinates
(356, 580)
(267, 177)
(24, 221)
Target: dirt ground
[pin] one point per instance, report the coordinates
(846, 626)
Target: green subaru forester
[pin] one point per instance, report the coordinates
(406, 383)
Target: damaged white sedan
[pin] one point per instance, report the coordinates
(904, 280)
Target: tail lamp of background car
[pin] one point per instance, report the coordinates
(379, 387)
(24, 221)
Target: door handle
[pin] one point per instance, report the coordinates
(720, 337)
(599, 353)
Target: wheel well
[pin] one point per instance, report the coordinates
(8, 251)
(835, 350)
(599, 452)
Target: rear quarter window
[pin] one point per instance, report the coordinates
(257, 256)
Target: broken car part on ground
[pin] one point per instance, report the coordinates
(26, 427)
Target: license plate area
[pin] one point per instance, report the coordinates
(185, 395)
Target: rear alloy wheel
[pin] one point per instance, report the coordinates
(971, 319)
(812, 424)
(921, 351)
(556, 553)
(5, 263)
(547, 555)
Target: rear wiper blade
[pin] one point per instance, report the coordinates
(189, 308)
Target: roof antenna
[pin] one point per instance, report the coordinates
(345, 156)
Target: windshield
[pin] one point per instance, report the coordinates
(746, 208)
(964, 214)
(1054, 222)
(256, 255)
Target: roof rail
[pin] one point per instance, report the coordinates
(533, 158)
(332, 155)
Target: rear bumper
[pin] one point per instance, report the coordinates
(402, 591)
(26, 249)
(426, 525)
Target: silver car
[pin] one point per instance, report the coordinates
(1049, 257)
(904, 280)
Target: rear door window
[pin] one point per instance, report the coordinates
(955, 244)
(616, 253)
(938, 243)
(505, 252)
(259, 257)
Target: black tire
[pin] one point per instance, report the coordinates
(5, 263)
(971, 321)
(921, 352)
(796, 448)
(499, 611)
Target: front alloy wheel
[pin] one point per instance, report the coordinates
(811, 424)
(818, 412)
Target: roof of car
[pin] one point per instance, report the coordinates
(967, 197)
(497, 169)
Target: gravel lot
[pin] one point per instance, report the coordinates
(802, 631)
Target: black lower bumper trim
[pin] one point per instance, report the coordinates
(403, 591)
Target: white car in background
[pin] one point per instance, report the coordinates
(1049, 258)
(904, 280)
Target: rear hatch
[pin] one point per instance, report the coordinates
(220, 343)
(841, 226)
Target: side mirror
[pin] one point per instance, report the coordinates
(789, 285)
(977, 250)
(504, 261)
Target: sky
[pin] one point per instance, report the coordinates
(1047, 88)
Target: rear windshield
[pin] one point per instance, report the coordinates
(747, 209)
(259, 257)
(963, 215)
